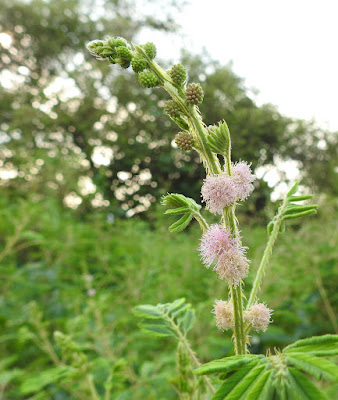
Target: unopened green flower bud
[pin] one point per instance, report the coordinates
(150, 49)
(178, 74)
(95, 47)
(138, 64)
(172, 109)
(148, 79)
(106, 51)
(119, 41)
(123, 52)
(184, 141)
(194, 93)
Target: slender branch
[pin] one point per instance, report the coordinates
(182, 338)
(267, 253)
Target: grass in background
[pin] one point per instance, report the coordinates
(83, 277)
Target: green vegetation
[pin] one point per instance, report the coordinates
(51, 261)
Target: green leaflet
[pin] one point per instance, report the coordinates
(187, 320)
(240, 390)
(179, 204)
(318, 346)
(318, 367)
(262, 388)
(44, 378)
(226, 364)
(166, 319)
(301, 388)
(181, 224)
(219, 139)
(289, 210)
(147, 311)
(159, 330)
(230, 384)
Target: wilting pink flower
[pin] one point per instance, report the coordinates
(218, 192)
(243, 179)
(216, 241)
(259, 316)
(224, 314)
(232, 266)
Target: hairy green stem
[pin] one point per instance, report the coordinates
(182, 338)
(267, 253)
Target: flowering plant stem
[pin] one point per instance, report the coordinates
(212, 166)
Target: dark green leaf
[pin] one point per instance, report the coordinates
(43, 378)
(231, 382)
(226, 364)
(318, 367)
(181, 224)
(293, 190)
(300, 387)
(261, 389)
(239, 391)
(187, 320)
(298, 215)
(219, 139)
(297, 209)
(179, 210)
(175, 304)
(147, 311)
(301, 198)
(157, 330)
(317, 345)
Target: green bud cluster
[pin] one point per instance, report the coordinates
(150, 49)
(138, 64)
(148, 79)
(172, 109)
(194, 93)
(184, 141)
(115, 50)
(178, 74)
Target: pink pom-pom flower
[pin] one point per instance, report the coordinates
(259, 317)
(243, 179)
(222, 190)
(220, 246)
(224, 314)
(218, 192)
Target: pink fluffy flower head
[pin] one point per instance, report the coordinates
(232, 266)
(218, 192)
(243, 179)
(224, 314)
(216, 241)
(259, 317)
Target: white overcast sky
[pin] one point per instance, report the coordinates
(287, 49)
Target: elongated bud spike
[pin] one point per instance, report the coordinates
(184, 141)
(194, 93)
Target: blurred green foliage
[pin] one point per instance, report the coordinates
(82, 277)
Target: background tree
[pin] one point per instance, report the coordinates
(77, 129)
